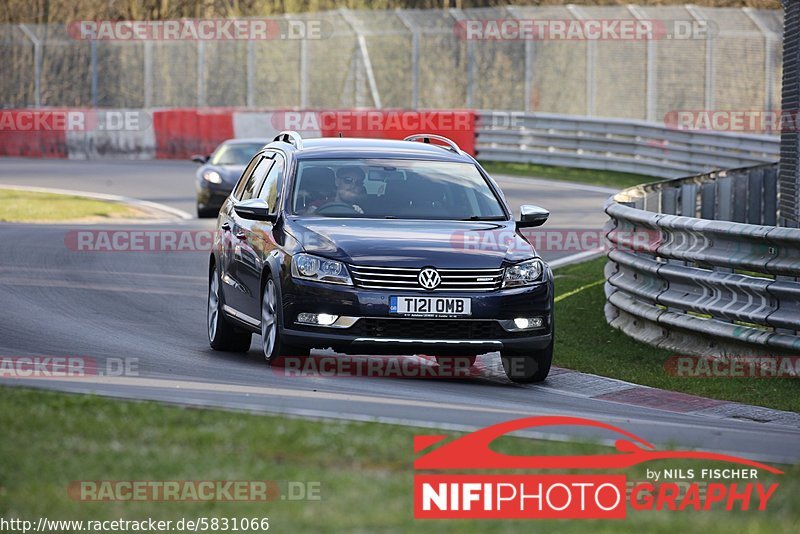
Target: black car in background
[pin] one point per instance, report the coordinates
(378, 247)
(220, 171)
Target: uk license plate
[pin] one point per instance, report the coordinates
(430, 306)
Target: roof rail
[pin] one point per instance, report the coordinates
(426, 138)
(291, 137)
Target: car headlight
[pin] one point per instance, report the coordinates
(524, 273)
(213, 177)
(310, 267)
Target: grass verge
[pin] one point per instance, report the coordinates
(364, 470)
(587, 343)
(33, 207)
(617, 180)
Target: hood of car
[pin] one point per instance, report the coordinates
(412, 243)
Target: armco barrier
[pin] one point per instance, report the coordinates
(720, 278)
(623, 145)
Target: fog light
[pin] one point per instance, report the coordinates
(325, 319)
(321, 319)
(522, 323)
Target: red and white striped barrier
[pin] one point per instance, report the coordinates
(180, 133)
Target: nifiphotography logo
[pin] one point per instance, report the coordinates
(574, 496)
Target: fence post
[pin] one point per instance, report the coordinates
(362, 46)
(458, 15)
(303, 73)
(709, 73)
(93, 46)
(251, 70)
(651, 87)
(37, 68)
(414, 56)
(591, 59)
(148, 74)
(201, 62)
(769, 59)
(530, 54)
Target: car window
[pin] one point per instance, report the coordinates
(394, 189)
(272, 185)
(237, 191)
(255, 179)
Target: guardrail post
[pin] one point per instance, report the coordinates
(37, 65)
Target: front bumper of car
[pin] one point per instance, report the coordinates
(364, 324)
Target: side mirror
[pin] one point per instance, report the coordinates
(197, 158)
(530, 216)
(254, 209)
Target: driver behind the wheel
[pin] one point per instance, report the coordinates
(350, 189)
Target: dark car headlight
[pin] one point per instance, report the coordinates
(523, 273)
(308, 267)
(212, 177)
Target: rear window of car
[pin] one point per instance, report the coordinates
(394, 189)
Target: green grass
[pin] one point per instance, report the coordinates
(28, 206)
(585, 342)
(365, 470)
(617, 180)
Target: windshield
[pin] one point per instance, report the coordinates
(235, 153)
(393, 189)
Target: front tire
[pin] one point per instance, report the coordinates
(222, 335)
(527, 367)
(207, 213)
(271, 317)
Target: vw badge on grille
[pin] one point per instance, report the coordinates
(429, 278)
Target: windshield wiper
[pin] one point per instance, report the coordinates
(479, 218)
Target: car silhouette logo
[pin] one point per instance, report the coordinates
(429, 278)
(473, 451)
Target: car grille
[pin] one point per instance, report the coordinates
(405, 278)
(429, 329)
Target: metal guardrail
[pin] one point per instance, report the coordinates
(622, 145)
(714, 275)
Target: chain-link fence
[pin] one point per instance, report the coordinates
(729, 60)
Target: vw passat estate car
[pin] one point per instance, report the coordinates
(371, 246)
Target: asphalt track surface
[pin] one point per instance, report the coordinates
(150, 308)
